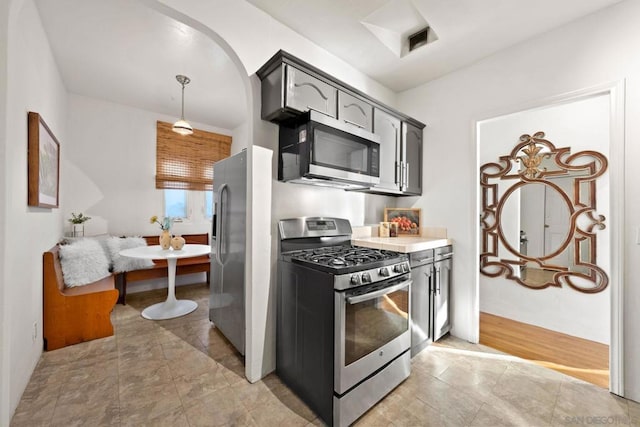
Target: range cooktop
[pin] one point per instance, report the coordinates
(345, 259)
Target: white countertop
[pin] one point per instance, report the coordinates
(401, 243)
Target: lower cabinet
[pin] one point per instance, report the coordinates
(431, 275)
(443, 263)
(422, 276)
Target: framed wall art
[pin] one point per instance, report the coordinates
(408, 219)
(43, 164)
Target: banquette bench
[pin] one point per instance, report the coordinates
(78, 314)
(199, 264)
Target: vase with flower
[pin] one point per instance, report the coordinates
(165, 226)
(77, 223)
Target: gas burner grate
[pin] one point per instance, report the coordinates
(342, 256)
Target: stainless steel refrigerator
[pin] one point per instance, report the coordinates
(227, 299)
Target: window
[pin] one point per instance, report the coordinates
(184, 205)
(208, 204)
(186, 162)
(176, 204)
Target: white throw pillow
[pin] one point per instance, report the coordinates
(121, 263)
(83, 262)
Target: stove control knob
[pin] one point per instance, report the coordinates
(397, 268)
(366, 278)
(405, 268)
(355, 280)
(384, 271)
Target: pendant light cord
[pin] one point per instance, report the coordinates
(182, 115)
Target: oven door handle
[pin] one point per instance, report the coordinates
(376, 294)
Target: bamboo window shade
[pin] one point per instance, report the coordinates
(185, 162)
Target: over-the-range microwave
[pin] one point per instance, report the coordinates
(318, 149)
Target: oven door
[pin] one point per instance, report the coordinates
(371, 329)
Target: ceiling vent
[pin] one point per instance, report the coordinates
(400, 27)
(419, 39)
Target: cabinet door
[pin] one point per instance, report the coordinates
(355, 111)
(411, 159)
(388, 128)
(440, 308)
(305, 92)
(420, 307)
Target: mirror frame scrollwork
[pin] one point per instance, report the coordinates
(525, 165)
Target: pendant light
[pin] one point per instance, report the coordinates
(182, 126)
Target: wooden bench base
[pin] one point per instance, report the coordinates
(74, 315)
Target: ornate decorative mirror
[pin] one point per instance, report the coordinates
(539, 220)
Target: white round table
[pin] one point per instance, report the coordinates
(172, 307)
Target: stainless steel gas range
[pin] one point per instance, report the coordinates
(343, 323)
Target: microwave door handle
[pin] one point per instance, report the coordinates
(376, 294)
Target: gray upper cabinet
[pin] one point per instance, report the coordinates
(288, 91)
(305, 92)
(411, 166)
(400, 155)
(355, 111)
(291, 86)
(388, 128)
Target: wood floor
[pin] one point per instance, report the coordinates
(580, 358)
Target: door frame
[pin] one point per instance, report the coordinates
(616, 92)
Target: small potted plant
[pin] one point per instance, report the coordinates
(77, 222)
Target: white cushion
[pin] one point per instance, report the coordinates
(83, 262)
(122, 264)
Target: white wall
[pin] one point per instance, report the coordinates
(241, 138)
(110, 168)
(581, 125)
(5, 393)
(558, 62)
(5, 366)
(33, 84)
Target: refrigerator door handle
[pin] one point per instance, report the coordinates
(219, 226)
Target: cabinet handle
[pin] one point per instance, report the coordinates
(398, 177)
(364, 113)
(311, 85)
(406, 172)
(402, 183)
(353, 123)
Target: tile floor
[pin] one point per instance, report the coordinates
(182, 372)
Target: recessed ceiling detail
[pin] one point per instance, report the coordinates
(395, 22)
